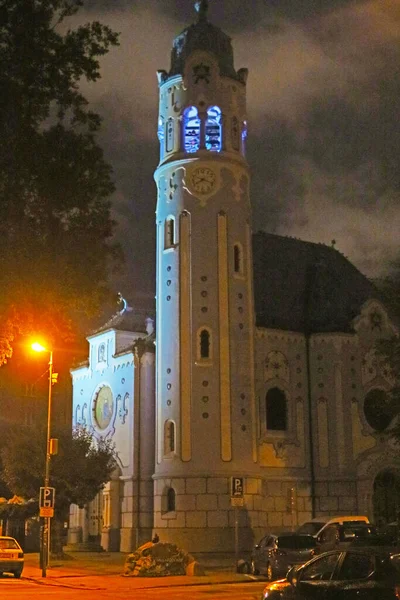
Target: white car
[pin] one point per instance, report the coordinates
(11, 556)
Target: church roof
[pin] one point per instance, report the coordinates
(203, 36)
(302, 286)
(128, 319)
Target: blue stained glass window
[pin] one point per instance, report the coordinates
(244, 136)
(161, 135)
(213, 129)
(192, 130)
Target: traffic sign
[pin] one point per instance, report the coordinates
(46, 512)
(237, 502)
(237, 487)
(47, 497)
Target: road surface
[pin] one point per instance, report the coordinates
(113, 588)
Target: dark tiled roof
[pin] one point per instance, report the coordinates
(302, 286)
(129, 319)
(203, 36)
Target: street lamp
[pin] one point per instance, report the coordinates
(45, 537)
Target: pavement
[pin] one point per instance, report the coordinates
(84, 572)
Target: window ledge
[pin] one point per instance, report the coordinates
(169, 515)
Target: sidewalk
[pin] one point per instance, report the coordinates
(84, 571)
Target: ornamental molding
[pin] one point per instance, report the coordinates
(374, 318)
(277, 335)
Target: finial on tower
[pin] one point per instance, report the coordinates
(202, 8)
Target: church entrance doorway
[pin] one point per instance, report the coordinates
(386, 497)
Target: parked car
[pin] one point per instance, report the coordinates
(341, 536)
(11, 556)
(276, 553)
(369, 573)
(316, 526)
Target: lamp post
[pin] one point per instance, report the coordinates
(45, 536)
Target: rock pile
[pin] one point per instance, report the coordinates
(160, 560)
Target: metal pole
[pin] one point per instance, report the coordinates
(236, 537)
(46, 529)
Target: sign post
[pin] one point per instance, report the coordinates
(237, 500)
(46, 508)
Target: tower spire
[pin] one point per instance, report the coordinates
(201, 7)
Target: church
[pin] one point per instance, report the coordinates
(259, 366)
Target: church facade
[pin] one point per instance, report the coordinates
(260, 364)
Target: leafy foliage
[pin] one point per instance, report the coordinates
(389, 350)
(55, 185)
(78, 472)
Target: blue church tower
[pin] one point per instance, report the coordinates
(206, 422)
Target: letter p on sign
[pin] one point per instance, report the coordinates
(237, 487)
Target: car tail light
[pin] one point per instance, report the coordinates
(20, 555)
(397, 591)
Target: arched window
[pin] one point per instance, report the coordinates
(169, 437)
(276, 410)
(244, 136)
(101, 353)
(161, 136)
(238, 259)
(205, 344)
(170, 134)
(169, 233)
(378, 410)
(235, 134)
(213, 129)
(171, 506)
(191, 129)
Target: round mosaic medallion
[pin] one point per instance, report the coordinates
(103, 407)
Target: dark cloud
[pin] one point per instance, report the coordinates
(323, 103)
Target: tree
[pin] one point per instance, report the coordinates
(55, 220)
(389, 349)
(78, 472)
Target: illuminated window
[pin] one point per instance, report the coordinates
(205, 344)
(170, 134)
(213, 129)
(276, 410)
(169, 437)
(191, 129)
(235, 134)
(238, 259)
(244, 136)
(161, 136)
(169, 233)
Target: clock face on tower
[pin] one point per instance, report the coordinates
(203, 180)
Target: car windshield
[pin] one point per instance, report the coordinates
(296, 542)
(310, 528)
(8, 544)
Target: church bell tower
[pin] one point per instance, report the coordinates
(206, 421)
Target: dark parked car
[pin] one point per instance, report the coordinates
(354, 574)
(341, 537)
(276, 553)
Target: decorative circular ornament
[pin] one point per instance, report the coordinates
(103, 407)
(203, 180)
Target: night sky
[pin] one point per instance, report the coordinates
(323, 106)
